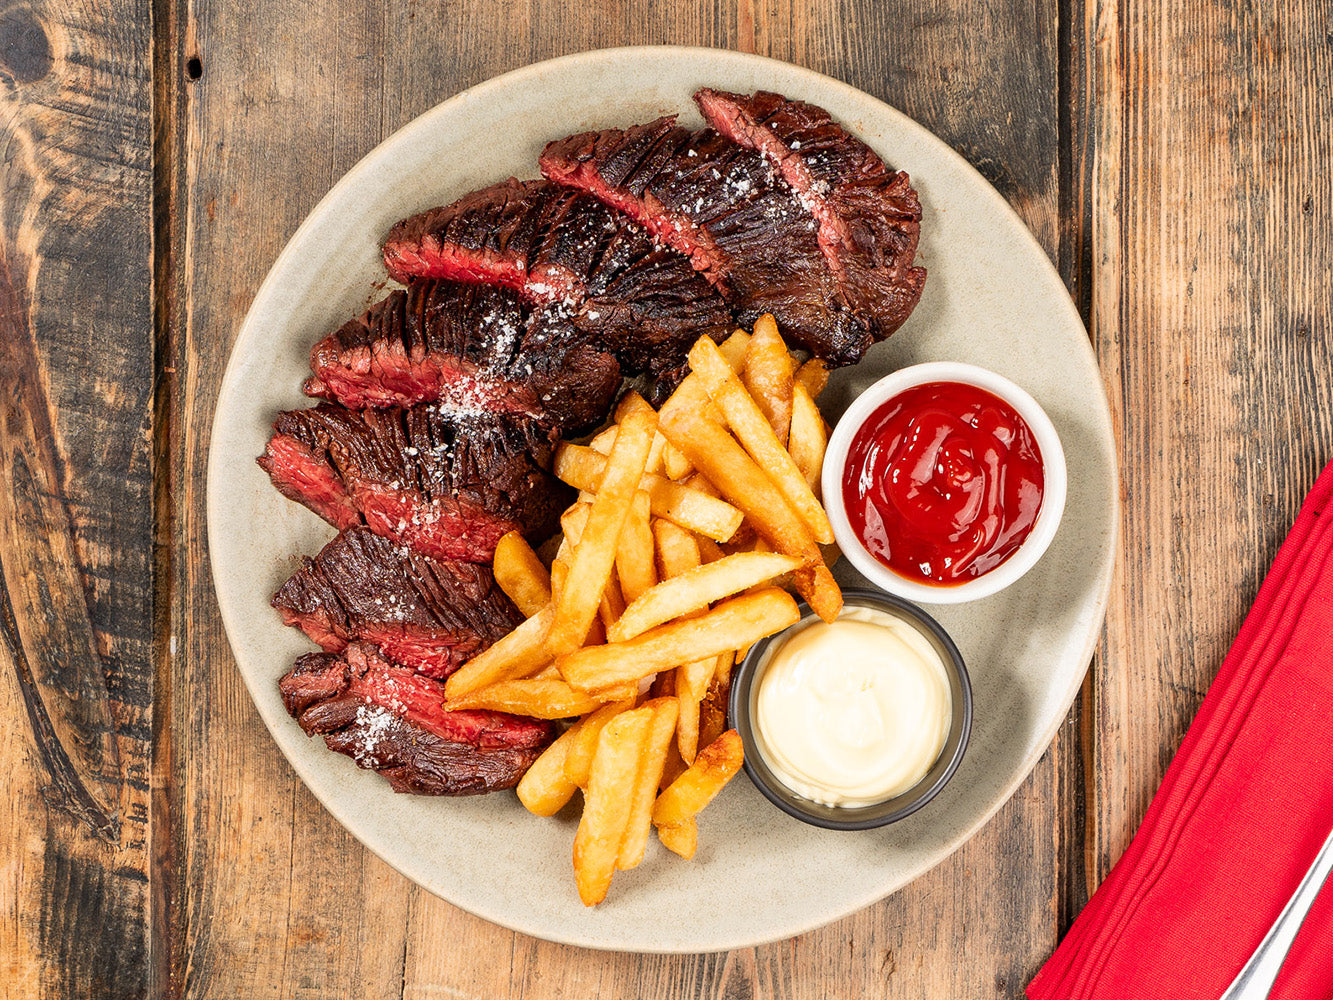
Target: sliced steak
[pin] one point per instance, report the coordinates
(869, 217)
(555, 245)
(429, 614)
(741, 224)
(448, 485)
(477, 348)
(393, 720)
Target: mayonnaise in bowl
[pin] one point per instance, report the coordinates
(856, 722)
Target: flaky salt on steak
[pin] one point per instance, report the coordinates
(639, 300)
(392, 720)
(429, 614)
(869, 217)
(448, 485)
(474, 347)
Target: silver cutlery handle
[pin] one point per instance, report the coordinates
(1256, 980)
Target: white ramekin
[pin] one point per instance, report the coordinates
(1053, 490)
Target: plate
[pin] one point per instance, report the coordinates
(992, 299)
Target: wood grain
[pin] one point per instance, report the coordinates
(76, 357)
(251, 839)
(1212, 298)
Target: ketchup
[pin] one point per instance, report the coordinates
(943, 482)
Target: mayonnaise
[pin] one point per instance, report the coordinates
(855, 712)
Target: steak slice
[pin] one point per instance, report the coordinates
(445, 484)
(429, 614)
(551, 244)
(473, 347)
(392, 720)
(869, 216)
(724, 206)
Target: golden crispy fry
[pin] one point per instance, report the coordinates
(675, 766)
(691, 394)
(715, 453)
(713, 713)
(652, 761)
(675, 465)
(734, 622)
(582, 468)
(540, 699)
(722, 669)
(578, 759)
(603, 440)
(521, 653)
(754, 432)
(594, 556)
(682, 839)
(608, 801)
(545, 788)
(716, 764)
(677, 549)
(612, 605)
(634, 554)
(691, 687)
(695, 589)
(768, 375)
(521, 574)
(813, 375)
(630, 403)
(808, 440)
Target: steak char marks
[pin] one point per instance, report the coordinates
(869, 217)
(392, 720)
(429, 614)
(641, 301)
(448, 485)
(475, 347)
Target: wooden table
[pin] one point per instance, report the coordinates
(1172, 156)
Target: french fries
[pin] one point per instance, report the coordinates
(689, 525)
(756, 434)
(738, 621)
(594, 555)
(607, 804)
(686, 797)
(768, 375)
(808, 440)
(695, 589)
(582, 469)
(521, 574)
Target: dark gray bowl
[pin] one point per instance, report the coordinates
(743, 688)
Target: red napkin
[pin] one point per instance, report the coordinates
(1240, 816)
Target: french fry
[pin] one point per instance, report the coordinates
(686, 797)
(677, 549)
(520, 653)
(594, 556)
(807, 441)
(578, 759)
(691, 394)
(539, 699)
(715, 453)
(634, 554)
(754, 432)
(607, 803)
(521, 574)
(691, 687)
(629, 403)
(709, 550)
(768, 375)
(695, 589)
(713, 713)
(813, 375)
(545, 788)
(602, 441)
(682, 839)
(652, 761)
(612, 605)
(582, 468)
(674, 464)
(738, 621)
(675, 766)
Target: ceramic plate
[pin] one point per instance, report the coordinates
(992, 299)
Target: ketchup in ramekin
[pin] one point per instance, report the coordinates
(943, 482)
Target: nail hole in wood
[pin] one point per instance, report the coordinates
(194, 68)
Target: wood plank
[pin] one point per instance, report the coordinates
(338, 80)
(76, 354)
(1213, 291)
